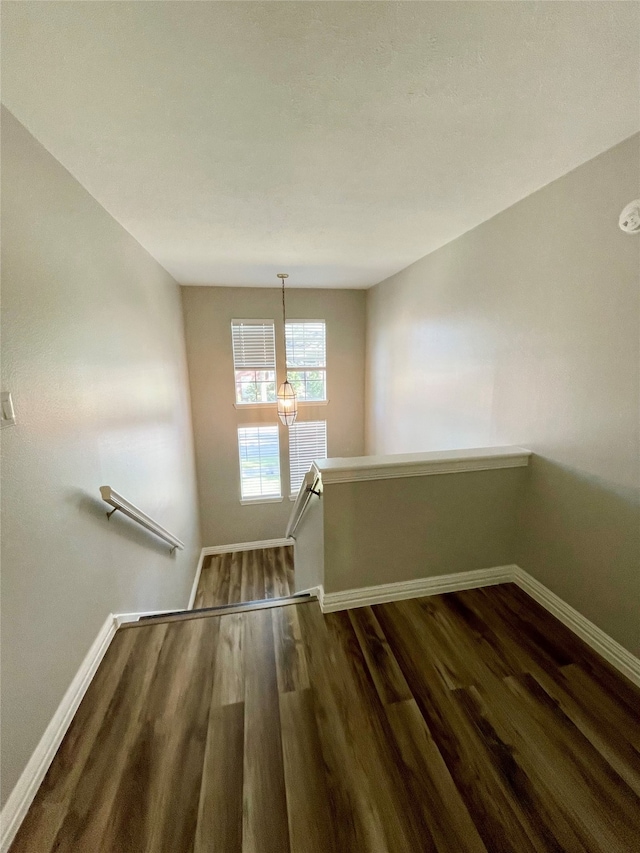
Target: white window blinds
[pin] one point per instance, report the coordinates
(306, 343)
(254, 360)
(254, 344)
(259, 462)
(307, 358)
(307, 441)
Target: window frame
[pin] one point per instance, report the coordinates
(287, 369)
(254, 321)
(266, 498)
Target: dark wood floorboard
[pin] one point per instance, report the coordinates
(472, 722)
(245, 576)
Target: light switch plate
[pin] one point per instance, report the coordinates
(8, 415)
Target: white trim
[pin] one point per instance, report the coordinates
(619, 657)
(355, 469)
(251, 501)
(255, 405)
(365, 596)
(196, 580)
(314, 592)
(21, 797)
(310, 481)
(247, 546)
(303, 403)
(123, 618)
(254, 321)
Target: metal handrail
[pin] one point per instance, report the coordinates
(132, 511)
(311, 485)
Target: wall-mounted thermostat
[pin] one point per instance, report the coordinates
(6, 410)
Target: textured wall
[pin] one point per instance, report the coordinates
(93, 353)
(309, 549)
(526, 331)
(208, 314)
(384, 531)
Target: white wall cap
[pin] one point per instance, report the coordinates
(353, 469)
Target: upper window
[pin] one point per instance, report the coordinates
(254, 360)
(307, 358)
(307, 441)
(259, 450)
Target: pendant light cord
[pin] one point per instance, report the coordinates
(284, 314)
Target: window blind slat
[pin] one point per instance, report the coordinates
(254, 344)
(306, 343)
(307, 441)
(259, 451)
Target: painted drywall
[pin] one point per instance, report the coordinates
(526, 331)
(208, 312)
(93, 354)
(309, 547)
(385, 531)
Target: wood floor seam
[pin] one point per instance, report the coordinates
(470, 722)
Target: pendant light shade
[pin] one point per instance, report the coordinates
(287, 404)
(287, 400)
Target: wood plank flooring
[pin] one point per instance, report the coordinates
(245, 576)
(472, 722)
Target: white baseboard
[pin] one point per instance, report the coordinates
(196, 580)
(606, 646)
(247, 546)
(313, 591)
(331, 601)
(595, 637)
(27, 786)
(228, 549)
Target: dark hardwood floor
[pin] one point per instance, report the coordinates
(245, 576)
(472, 722)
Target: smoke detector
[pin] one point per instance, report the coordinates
(630, 218)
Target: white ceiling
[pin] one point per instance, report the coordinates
(336, 141)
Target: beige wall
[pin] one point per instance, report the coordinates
(309, 547)
(385, 531)
(208, 313)
(526, 331)
(93, 353)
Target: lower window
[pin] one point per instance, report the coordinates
(307, 441)
(259, 450)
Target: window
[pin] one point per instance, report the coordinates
(307, 358)
(254, 360)
(307, 441)
(259, 462)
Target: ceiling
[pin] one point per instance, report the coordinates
(337, 141)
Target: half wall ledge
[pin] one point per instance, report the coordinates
(392, 466)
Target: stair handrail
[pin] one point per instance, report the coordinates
(311, 485)
(121, 504)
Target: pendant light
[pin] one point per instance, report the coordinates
(287, 401)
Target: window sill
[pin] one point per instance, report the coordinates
(273, 405)
(261, 501)
(254, 405)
